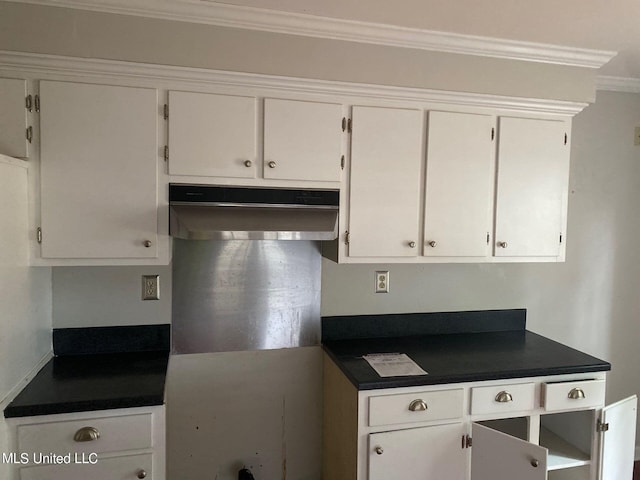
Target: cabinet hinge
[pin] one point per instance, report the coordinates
(165, 111)
(29, 103)
(488, 238)
(36, 103)
(349, 126)
(466, 441)
(566, 138)
(493, 133)
(29, 134)
(347, 237)
(602, 427)
(166, 153)
(342, 163)
(39, 235)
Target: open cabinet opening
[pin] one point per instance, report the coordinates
(568, 437)
(515, 427)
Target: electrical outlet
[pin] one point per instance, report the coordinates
(636, 138)
(151, 287)
(382, 282)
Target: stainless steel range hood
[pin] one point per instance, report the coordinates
(206, 212)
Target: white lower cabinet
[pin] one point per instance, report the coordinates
(426, 452)
(102, 445)
(493, 430)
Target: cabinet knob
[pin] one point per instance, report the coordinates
(87, 434)
(272, 164)
(248, 163)
(502, 244)
(504, 397)
(433, 244)
(379, 450)
(142, 474)
(412, 244)
(535, 463)
(418, 405)
(576, 394)
(147, 243)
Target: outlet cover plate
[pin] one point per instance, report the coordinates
(151, 287)
(382, 282)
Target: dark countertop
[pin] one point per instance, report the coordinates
(461, 357)
(98, 368)
(93, 382)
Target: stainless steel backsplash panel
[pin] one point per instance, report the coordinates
(245, 295)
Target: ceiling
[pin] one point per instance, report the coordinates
(593, 24)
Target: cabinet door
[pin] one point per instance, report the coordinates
(99, 159)
(302, 140)
(384, 196)
(13, 118)
(533, 166)
(458, 206)
(212, 135)
(618, 442)
(114, 468)
(418, 453)
(496, 455)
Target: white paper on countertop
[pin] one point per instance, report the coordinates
(393, 365)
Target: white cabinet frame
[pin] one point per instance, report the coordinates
(348, 441)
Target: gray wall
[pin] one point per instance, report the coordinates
(108, 296)
(54, 30)
(25, 293)
(590, 302)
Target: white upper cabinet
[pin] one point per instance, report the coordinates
(14, 128)
(459, 185)
(384, 195)
(302, 140)
(212, 135)
(98, 171)
(532, 184)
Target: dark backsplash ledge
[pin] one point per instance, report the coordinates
(107, 340)
(351, 327)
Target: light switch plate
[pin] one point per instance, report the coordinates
(151, 287)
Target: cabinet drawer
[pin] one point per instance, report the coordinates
(115, 468)
(415, 407)
(502, 398)
(122, 433)
(573, 395)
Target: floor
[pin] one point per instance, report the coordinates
(636, 471)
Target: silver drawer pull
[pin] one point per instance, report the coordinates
(142, 474)
(418, 406)
(378, 450)
(87, 434)
(535, 463)
(576, 394)
(504, 397)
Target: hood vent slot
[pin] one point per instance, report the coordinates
(200, 212)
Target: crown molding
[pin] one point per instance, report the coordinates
(235, 16)
(618, 84)
(42, 66)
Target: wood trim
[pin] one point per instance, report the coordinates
(236, 16)
(62, 67)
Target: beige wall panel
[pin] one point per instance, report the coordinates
(78, 33)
